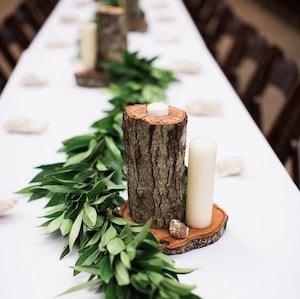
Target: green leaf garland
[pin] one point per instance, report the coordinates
(83, 197)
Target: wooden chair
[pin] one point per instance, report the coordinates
(282, 74)
(7, 40)
(285, 133)
(257, 50)
(3, 80)
(205, 13)
(15, 25)
(28, 14)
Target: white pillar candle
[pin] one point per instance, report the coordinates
(200, 184)
(88, 45)
(158, 109)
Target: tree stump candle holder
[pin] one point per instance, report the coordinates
(135, 17)
(154, 155)
(111, 44)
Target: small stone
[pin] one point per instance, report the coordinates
(8, 204)
(178, 229)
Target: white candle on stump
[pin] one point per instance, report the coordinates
(200, 185)
(88, 45)
(158, 109)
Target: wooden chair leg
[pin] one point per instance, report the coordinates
(295, 153)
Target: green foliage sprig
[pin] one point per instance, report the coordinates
(84, 198)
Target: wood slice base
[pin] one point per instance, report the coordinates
(92, 78)
(138, 26)
(197, 238)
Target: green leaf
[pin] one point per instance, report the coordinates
(122, 275)
(118, 220)
(113, 148)
(97, 189)
(141, 235)
(82, 286)
(125, 259)
(75, 230)
(107, 236)
(66, 226)
(115, 246)
(177, 287)
(88, 269)
(55, 224)
(82, 156)
(59, 188)
(90, 216)
(106, 271)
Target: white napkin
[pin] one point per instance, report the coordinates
(25, 126)
(32, 80)
(205, 107)
(185, 67)
(229, 167)
(8, 204)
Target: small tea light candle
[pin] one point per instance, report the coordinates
(88, 45)
(200, 184)
(158, 109)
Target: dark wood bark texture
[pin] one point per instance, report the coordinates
(92, 78)
(112, 41)
(132, 10)
(135, 17)
(154, 153)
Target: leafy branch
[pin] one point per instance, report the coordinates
(84, 198)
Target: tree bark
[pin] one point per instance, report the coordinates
(135, 17)
(154, 153)
(132, 10)
(111, 34)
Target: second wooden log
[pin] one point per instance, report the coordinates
(112, 32)
(154, 152)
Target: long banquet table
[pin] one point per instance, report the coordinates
(259, 254)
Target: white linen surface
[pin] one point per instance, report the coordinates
(259, 255)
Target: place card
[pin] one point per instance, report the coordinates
(33, 80)
(205, 108)
(25, 126)
(230, 167)
(7, 204)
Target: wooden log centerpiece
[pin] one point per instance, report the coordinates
(155, 140)
(154, 152)
(111, 44)
(135, 17)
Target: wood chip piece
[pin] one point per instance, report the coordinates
(185, 67)
(8, 204)
(230, 167)
(32, 80)
(25, 126)
(205, 107)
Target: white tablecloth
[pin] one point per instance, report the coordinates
(259, 255)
